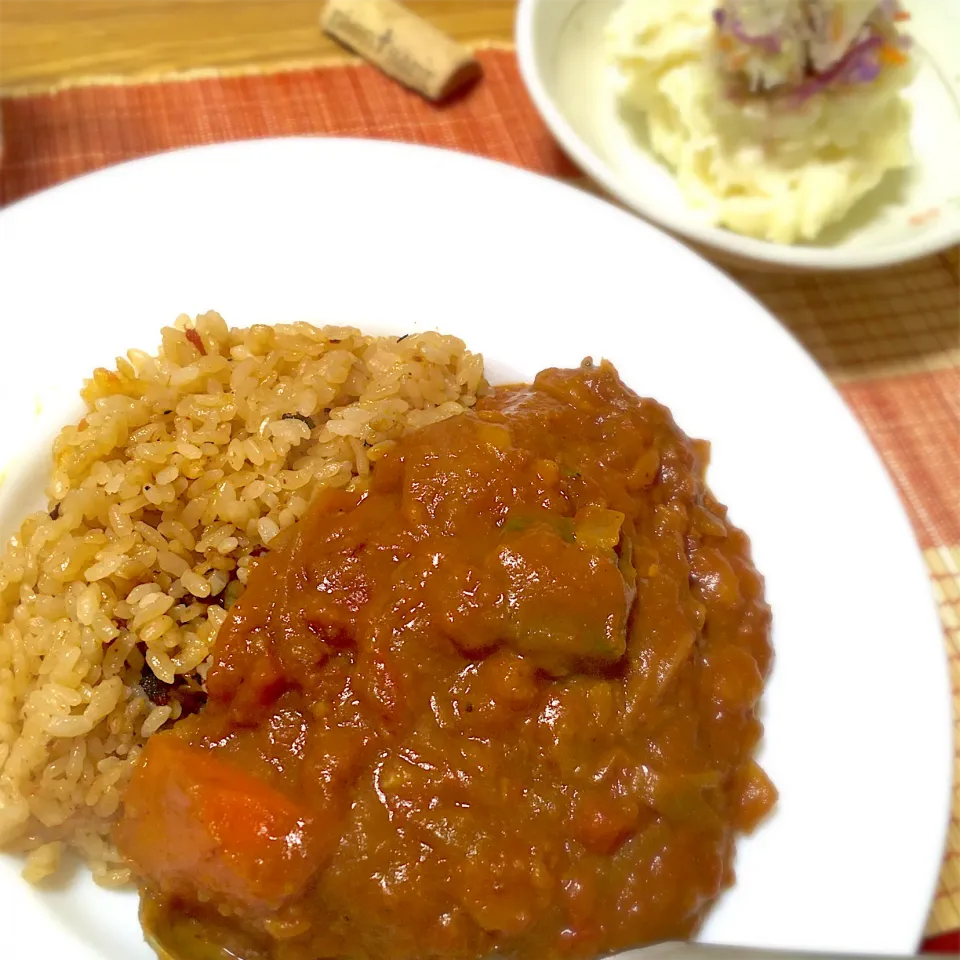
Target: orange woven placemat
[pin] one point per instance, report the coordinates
(888, 340)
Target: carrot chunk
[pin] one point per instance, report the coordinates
(193, 823)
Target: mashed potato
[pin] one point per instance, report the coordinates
(774, 167)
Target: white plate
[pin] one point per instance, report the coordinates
(560, 47)
(533, 273)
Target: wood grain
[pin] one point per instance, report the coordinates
(50, 42)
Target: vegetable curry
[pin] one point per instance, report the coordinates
(500, 702)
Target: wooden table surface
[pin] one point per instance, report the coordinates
(44, 43)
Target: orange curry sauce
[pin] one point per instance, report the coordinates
(500, 703)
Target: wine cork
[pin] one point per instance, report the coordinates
(402, 45)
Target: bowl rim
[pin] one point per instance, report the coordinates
(714, 238)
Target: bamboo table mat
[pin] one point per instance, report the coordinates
(888, 340)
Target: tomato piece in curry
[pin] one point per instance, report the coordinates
(502, 701)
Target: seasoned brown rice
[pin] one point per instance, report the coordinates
(184, 465)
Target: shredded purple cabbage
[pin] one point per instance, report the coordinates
(860, 64)
(856, 64)
(768, 42)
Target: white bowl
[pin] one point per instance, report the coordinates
(561, 53)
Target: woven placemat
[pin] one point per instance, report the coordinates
(888, 340)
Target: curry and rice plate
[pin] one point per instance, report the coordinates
(338, 652)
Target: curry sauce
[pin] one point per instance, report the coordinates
(501, 701)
